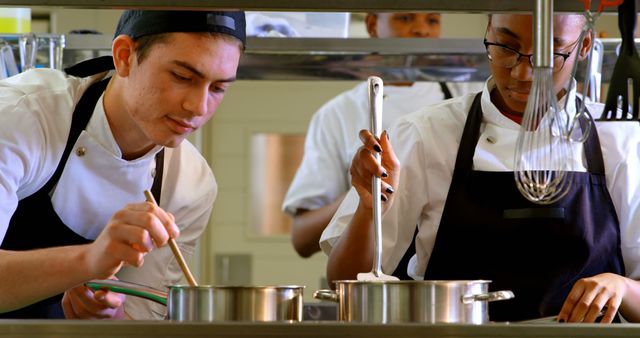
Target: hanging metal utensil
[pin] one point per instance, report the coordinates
(7, 59)
(56, 49)
(581, 113)
(624, 88)
(542, 149)
(375, 92)
(28, 45)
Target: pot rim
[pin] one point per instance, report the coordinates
(237, 287)
(434, 282)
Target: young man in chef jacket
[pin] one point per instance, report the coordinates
(450, 170)
(79, 149)
(322, 180)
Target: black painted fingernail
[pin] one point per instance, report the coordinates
(383, 198)
(384, 174)
(560, 320)
(377, 148)
(387, 135)
(390, 190)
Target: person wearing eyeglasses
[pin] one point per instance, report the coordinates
(322, 180)
(450, 170)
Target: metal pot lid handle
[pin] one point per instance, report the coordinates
(488, 297)
(129, 288)
(329, 295)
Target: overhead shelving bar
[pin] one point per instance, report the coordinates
(463, 6)
(353, 59)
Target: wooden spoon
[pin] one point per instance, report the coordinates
(174, 247)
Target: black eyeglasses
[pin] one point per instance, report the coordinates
(505, 56)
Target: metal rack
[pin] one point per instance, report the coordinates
(350, 59)
(49, 51)
(463, 6)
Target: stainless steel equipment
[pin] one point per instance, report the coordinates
(28, 45)
(426, 302)
(375, 93)
(541, 167)
(218, 303)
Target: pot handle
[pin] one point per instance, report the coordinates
(329, 295)
(129, 288)
(488, 297)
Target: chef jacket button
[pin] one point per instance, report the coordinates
(81, 151)
(491, 139)
(153, 173)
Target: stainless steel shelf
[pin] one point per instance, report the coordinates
(339, 59)
(466, 6)
(356, 59)
(350, 59)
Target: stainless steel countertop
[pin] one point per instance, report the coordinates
(157, 329)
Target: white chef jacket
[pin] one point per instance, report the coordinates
(426, 144)
(35, 119)
(332, 138)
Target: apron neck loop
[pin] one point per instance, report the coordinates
(470, 136)
(91, 67)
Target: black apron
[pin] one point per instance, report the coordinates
(36, 225)
(490, 231)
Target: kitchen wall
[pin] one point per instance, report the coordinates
(231, 251)
(249, 108)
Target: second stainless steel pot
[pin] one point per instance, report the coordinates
(218, 303)
(429, 302)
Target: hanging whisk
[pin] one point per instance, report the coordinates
(589, 29)
(543, 151)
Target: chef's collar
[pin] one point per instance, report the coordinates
(139, 23)
(493, 114)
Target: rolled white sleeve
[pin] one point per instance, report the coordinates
(339, 222)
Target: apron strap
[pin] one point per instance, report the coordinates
(156, 188)
(91, 67)
(470, 136)
(445, 90)
(592, 149)
(78, 123)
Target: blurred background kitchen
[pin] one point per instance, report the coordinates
(255, 145)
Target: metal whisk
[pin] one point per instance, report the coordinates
(542, 150)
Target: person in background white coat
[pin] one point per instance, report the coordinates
(451, 172)
(79, 149)
(322, 179)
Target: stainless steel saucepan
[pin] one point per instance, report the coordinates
(218, 303)
(427, 302)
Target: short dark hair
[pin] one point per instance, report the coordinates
(144, 44)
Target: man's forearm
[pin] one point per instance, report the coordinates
(30, 276)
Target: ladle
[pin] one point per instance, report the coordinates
(375, 92)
